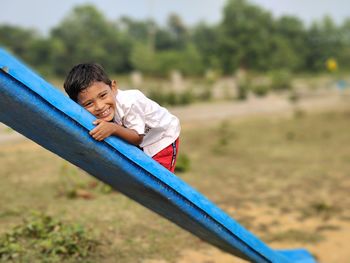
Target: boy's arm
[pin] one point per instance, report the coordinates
(105, 129)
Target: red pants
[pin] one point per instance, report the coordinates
(167, 156)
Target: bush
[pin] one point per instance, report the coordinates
(205, 94)
(281, 80)
(243, 90)
(171, 98)
(46, 239)
(182, 164)
(185, 98)
(261, 90)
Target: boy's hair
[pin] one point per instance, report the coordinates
(83, 76)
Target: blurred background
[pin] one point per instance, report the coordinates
(175, 38)
(261, 89)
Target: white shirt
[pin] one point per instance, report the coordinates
(137, 112)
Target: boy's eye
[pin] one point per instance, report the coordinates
(88, 104)
(103, 95)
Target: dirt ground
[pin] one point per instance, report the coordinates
(334, 248)
(274, 106)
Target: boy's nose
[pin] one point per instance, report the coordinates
(98, 105)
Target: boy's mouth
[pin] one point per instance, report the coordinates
(104, 113)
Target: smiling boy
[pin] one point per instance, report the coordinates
(128, 114)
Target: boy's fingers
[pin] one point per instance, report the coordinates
(97, 121)
(99, 138)
(97, 134)
(94, 131)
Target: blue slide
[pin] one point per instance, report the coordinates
(39, 111)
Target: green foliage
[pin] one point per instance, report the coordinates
(344, 49)
(261, 90)
(260, 159)
(171, 98)
(288, 44)
(143, 59)
(324, 42)
(241, 21)
(247, 37)
(321, 208)
(183, 163)
(185, 98)
(242, 91)
(139, 31)
(281, 80)
(162, 63)
(46, 239)
(296, 236)
(168, 60)
(72, 186)
(284, 55)
(177, 31)
(206, 39)
(224, 135)
(88, 36)
(187, 61)
(18, 40)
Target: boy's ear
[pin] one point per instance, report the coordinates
(114, 85)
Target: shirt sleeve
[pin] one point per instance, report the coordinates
(135, 119)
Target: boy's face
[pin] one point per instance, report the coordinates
(99, 99)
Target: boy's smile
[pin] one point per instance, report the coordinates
(99, 99)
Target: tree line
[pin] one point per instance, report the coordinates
(247, 37)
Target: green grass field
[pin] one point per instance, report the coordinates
(286, 179)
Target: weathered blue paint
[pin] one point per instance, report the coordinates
(45, 115)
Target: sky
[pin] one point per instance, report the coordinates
(46, 14)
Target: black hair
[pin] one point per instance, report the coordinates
(83, 76)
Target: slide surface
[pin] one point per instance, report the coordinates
(39, 111)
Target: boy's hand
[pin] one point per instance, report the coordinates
(103, 129)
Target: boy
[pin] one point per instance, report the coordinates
(128, 114)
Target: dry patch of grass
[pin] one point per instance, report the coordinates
(286, 180)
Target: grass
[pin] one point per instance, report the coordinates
(46, 239)
(296, 166)
(294, 235)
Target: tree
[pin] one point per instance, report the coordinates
(144, 59)
(34, 49)
(174, 36)
(164, 40)
(139, 31)
(344, 38)
(288, 44)
(44, 54)
(246, 31)
(88, 36)
(18, 40)
(323, 43)
(206, 39)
